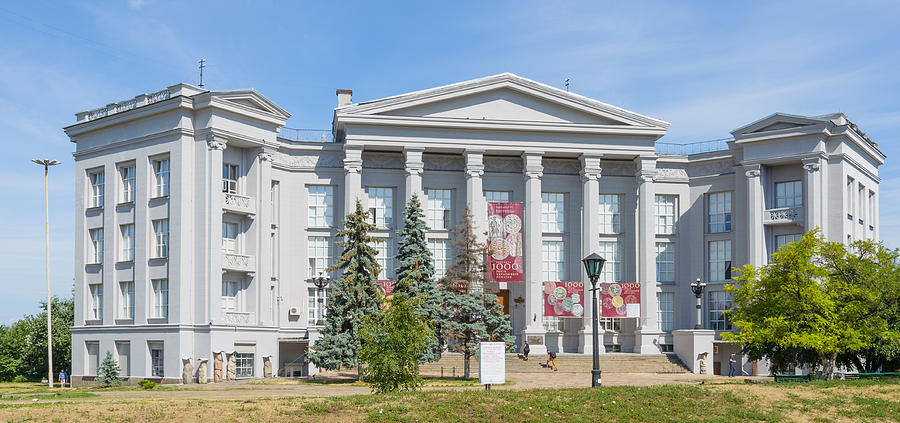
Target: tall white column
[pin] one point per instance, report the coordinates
(756, 243)
(475, 194)
(352, 178)
(590, 241)
(414, 167)
(216, 145)
(534, 299)
(815, 195)
(646, 337)
(264, 238)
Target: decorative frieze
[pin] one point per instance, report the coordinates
(382, 160)
(503, 164)
(445, 162)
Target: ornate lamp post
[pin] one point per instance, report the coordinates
(593, 265)
(47, 163)
(697, 288)
(321, 282)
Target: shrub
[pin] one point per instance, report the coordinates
(108, 373)
(146, 384)
(20, 379)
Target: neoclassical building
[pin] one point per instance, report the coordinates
(201, 220)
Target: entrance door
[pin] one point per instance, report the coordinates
(503, 299)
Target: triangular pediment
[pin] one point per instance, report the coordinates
(504, 97)
(250, 99)
(778, 122)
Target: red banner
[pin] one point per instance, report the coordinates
(564, 299)
(505, 261)
(387, 287)
(620, 299)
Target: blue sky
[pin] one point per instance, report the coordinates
(706, 67)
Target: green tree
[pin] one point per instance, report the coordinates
(393, 340)
(470, 315)
(804, 307)
(23, 344)
(354, 296)
(415, 276)
(108, 372)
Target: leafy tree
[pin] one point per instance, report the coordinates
(23, 344)
(354, 296)
(108, 372)
(470, 315)
(415, 275)
(393, 340)
(813, 303)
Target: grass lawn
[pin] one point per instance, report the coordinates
(861, 400)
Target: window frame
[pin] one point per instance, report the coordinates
(440, 262)
(553, 260)
(97, 245)
(126, 238)
(157, 361)
(665, 269)
(161, 167)
(665, 317)
(717, 319)
(97, 186)
(553, 212)
(244, 364)
(230, 175)
(127, 181)
(160, 238)
(488, 194)
(230, 245)
(384, 256)
(320, 214)
(95, 293)
(126, 300)
(612, 270)
(796, 199)
(724, 259)
(160, 298)
(666, 213)
(378, 201)
(610, 214)
(719, 221)
(439, 209)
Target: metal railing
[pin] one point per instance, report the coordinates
(692, 148)
(306, 135)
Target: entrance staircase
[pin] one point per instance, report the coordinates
(451, 364)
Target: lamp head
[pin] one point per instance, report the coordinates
(593, 265)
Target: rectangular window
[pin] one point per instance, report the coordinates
(96, 310)
(319, 253)
(126, 300)
(275, 201)
(497, 196)
(123, 351)
(720, 260)
(871, 210)
(157, 359)
(161, 178)
(665, 214)
(229, 237)
(788, 194)
(127, 194)
(666, 313)
(93, 357)
(554, 268)
(127, 251)
(317, 307)
(862, 203)
(243, 363)
(613, 324)
(612, 252)
(385, 259)
(96, 246)
(782, 240)
(719, 212)
(161, 238)
(381, 207)
(440, 254)
(160, 306)
(96, 179)
(609, 214)
(229, 178)
(230, 290)
(439, 206)
(665, 262)
(719, 302)
(553, 212)
(850, 198)
(321, 206)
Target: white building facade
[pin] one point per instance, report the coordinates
(201, 220)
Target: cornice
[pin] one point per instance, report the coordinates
(140, 112)
(171, 133)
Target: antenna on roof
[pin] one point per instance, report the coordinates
(202, 65)
(567, 84)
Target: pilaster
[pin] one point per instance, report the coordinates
(353, 178)
(647, 335)
(475, 194)
(264, 238)
(815, 195)
(414, 167)
(755, 207)
(216, 146)
(590, 241)
(534, 299)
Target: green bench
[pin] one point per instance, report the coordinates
(793, 378)
(873, 375)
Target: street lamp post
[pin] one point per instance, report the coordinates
(697, 288)
(321, 282)
(47, 163)
(593, 265)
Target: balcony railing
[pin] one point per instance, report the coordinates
(239, 318)
(239, 204)
(692, 148)
(239, 262)
(784, 215)
(306, 135)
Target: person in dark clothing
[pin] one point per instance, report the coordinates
(526, 350)
(551, 359)
(731, 362)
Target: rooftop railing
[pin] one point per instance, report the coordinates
(306, 135)
(692, 148)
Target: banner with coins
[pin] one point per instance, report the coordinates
(505, 261)
(564, 299)
(620, 299)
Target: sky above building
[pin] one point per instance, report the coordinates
(705, 67)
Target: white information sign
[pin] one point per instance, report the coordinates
(492, 363)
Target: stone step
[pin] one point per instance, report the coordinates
(452, 364)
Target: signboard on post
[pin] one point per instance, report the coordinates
(563, 299)
(492, 363)
(505, 261)
(620, 299)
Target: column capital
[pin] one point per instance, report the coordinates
(752, 170)
(216, 142)
(812, 164)
(531, 164)
(474, 163)
(414, 164)
(266, 154)
(353, 158)
(590, 167)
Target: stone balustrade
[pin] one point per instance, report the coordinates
(784, 215)
(239, 263)
(239, 204)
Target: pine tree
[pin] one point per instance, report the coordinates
(108, 372)
(354, 296)
(469, 314)
(415, 276)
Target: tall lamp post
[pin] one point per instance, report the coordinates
(47, 163)
(321, 282)
(697, 288)
(593, 265)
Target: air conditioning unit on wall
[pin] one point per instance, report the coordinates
(294, 311)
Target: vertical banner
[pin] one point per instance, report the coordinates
(505, 262)
(620, 300)
(564, 299)
(492, 363)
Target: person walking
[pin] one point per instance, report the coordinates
(526, 350)
(551, 359)
(63, 377)
(731, 362)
